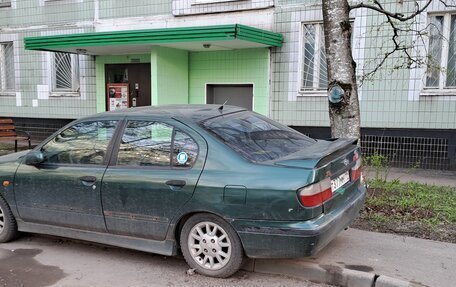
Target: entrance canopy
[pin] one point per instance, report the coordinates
(206, 38)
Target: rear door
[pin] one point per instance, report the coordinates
(152, 175)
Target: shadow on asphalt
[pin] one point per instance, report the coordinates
(20, 268)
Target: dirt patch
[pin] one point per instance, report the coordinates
(411, 209)
(444, 232)
(20, 268)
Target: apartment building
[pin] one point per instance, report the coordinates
(63, 59)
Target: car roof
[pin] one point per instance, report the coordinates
(195, 113)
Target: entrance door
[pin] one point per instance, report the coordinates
(138, 78)
(235, 95)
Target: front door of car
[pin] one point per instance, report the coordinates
(153, 174)
(65, 188)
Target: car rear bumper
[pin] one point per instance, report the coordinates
(291, 239)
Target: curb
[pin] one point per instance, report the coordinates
(327, 274)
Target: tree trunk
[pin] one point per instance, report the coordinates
(344, 116)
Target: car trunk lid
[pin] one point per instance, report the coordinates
(335, 162)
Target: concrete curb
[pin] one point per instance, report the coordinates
(327, 274)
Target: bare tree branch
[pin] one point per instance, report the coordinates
(444, 2)
(398, 16)
(410, 61)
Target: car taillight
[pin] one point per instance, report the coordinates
(316, 193)
(356, 170)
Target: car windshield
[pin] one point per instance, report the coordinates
(255, 137)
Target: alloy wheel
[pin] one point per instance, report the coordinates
(209, 245)
(2, 220)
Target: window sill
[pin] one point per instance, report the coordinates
(58, 2)
(7, 94)
(64, 94)
(316, 93)
(441, 95)
(446, 92)
(203, 2)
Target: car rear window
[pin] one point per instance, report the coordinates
(255, 137)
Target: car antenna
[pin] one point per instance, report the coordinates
(221, 107)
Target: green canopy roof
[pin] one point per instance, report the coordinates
(220, 37)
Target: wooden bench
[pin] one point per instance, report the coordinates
(8, 132)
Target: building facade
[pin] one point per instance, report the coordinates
(63, 59)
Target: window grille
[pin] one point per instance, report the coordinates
(7, 77)
(65, 74)
(314, 70)
(441, 68)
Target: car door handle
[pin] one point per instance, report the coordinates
(176, 183)
(88, 180)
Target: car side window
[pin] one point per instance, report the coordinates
(145, 143)
(82, 143)
(185, 150)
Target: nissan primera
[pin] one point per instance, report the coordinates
(219, 183)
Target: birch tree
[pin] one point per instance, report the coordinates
(344, 112)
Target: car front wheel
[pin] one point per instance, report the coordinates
(211, 246)
(8, 226)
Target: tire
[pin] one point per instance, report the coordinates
(8, 225)
(218, 254)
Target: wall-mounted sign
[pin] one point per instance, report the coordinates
(118, 96)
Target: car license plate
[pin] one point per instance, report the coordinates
(340, 181)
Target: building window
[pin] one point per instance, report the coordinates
(7, 79)
(314, 75)
(441, 68)
(5, 3)
(65, 74)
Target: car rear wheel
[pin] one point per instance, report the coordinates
(8, 225)
(211, 246)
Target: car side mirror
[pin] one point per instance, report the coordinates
(34, 158)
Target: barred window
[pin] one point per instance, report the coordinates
(441, 68)
(65, 74)
(314, 75)
(7, 79)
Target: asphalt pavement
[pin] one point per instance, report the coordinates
(413, 260)
(427, 176)
(362, 258)
(42, 261)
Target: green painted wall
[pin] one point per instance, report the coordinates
(238, 66)
(169, 76)
(100, 73)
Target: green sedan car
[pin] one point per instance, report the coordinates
(220, 183)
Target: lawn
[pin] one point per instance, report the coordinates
(413, 209)
(6, 148)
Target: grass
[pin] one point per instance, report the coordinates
(6, 148)
(393, 200)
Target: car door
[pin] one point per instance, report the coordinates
(65, 188)
(152, 175)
